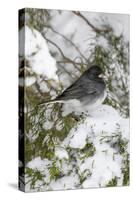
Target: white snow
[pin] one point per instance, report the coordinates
(97, 128)
(76, 141)
(101, 41)
(120, 24)
(103, 121)
(29, 81)
(38, 164)
(103, 168)
(41, 165)
(59, 125)
(106, 162)
(67, 182)
(37, 53)
(61, 153)
(48, 125)
(44, 87)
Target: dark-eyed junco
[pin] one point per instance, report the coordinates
(89, 89)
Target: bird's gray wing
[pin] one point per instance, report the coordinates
(78, 89)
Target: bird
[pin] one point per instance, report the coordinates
(88, 91)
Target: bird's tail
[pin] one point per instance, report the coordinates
(50, 102)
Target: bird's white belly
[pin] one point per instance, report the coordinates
(97, 103)
(101, 100)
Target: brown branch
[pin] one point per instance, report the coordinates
(61, 52)
(72, 62)
(38, 88)
(53, 43)
(97, 30)
(65, 59)
(67, 39)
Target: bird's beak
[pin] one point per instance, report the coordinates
(103, 77)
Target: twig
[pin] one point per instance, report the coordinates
(67, 39)
(61, 52)
(67, 61)
(97, 30)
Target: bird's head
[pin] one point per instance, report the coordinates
(95, 70)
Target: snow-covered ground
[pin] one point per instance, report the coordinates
(102, 129)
